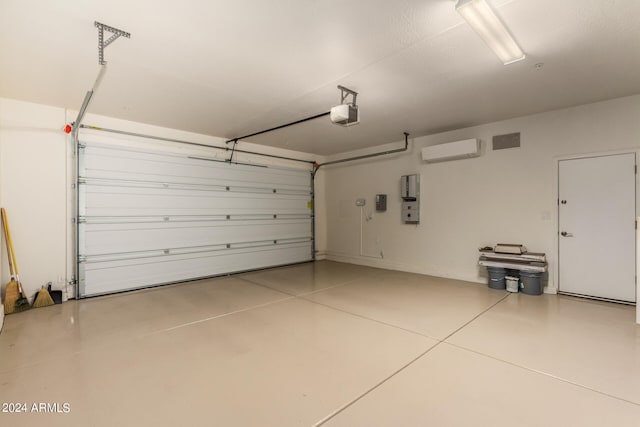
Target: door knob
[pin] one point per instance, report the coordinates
(565, 234)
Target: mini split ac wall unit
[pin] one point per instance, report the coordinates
(451, 151)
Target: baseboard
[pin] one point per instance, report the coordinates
(425, 269)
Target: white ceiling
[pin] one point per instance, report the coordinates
(228, 68)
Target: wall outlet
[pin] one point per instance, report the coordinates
(361, 202)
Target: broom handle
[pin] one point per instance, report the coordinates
(13, 255)
(6, 241)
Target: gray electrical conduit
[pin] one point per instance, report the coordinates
(316, 165)
(366, 156)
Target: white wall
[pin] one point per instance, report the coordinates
(32, 190)
(503, 196)
(36, 173)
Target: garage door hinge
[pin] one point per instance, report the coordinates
(80, 146)
(82, 258)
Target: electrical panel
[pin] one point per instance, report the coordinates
(381, 202)
(410, 193)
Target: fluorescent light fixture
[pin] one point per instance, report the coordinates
(486, 23)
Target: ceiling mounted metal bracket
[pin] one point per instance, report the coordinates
(344, 94)
(102, 43)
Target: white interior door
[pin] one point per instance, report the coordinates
(597, 211)
(153, 217)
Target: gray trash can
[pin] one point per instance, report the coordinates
(497, 277)
(531, 283)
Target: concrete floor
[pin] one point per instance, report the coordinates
(323, 343)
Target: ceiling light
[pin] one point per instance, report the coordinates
(486, 23)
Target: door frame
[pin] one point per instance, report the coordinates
(556, 233)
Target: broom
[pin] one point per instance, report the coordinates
(15, 299)
(11, 292)
(43, 298)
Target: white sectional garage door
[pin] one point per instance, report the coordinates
(148, 218)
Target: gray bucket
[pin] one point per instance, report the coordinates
(531, 283)
(497, 277)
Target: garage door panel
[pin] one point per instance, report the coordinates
(106, 162)
(164, 178)
(152, 217)
(187, 195)
(177, 211)
(106, 203)
(123, 238)
(166, 185)
(103, 277)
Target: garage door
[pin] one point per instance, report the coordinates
(154, 217)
